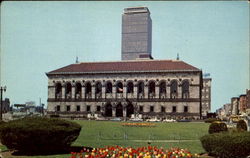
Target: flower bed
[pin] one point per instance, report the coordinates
(141, 152)
(139, 124)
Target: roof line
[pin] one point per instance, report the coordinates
(103, 72)
(142, 60)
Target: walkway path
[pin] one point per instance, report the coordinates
(166, 141)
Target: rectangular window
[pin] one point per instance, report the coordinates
(68, 108)
(78, 108)
(174, 109)
(58, 108)
(185, 109)
(141, 108)
(151, 108)
(162, 109)
(98, 108)
(88, 108)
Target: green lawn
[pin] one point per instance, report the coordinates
(103, 133)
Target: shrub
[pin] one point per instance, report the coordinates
(217, 127)
(241, 125)
(2, 122)
(37, 134)
(54, 116)
(210, 120)
(227, 145)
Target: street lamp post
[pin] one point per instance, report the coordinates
(2, 89)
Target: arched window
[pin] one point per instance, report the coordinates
(151, 89)
(130, 87)
(108, 87)
(185, 89)
(162, 89)
(140, 89)
(78, 89)
(173, 89)
(58, 90)
(98, 90)
(68, 90)
(88, 90)
(119, 87)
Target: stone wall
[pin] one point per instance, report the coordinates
(114, 98)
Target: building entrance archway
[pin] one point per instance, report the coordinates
(130, 109)
(108, 110)
(119, 110)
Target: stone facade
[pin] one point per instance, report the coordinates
(206, 96)
(136, 32)
(123, 94)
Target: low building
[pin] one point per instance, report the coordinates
(227, 108)
(224, 112)
(6, 105)
(220, 113)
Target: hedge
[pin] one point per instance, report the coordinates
(217, 127)
(37, 134)
(227, 145)
(210, 120)
(241, 125)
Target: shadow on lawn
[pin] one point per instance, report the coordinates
(58, 152)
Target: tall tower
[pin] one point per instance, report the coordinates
(136, 33)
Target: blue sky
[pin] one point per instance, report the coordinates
(38, 37)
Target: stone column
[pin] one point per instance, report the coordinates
(146, 91)
(73, 92)
(135, 90)
(157, 90)
(168, 92)
(124, 91)
(63, 92)
(113, 111)
(93, 91)
(179, 92)
(124, 111)
(114, 91)
(83, 92)
(103, 91)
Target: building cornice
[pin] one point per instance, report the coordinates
(120, 72)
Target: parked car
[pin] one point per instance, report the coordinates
(116, 119)
(183, 120)
(100, 119)
(169, 120)
(154, 120)
(136, 119)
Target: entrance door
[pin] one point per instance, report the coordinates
(108, 110)
(130, 110)
(119, 110)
